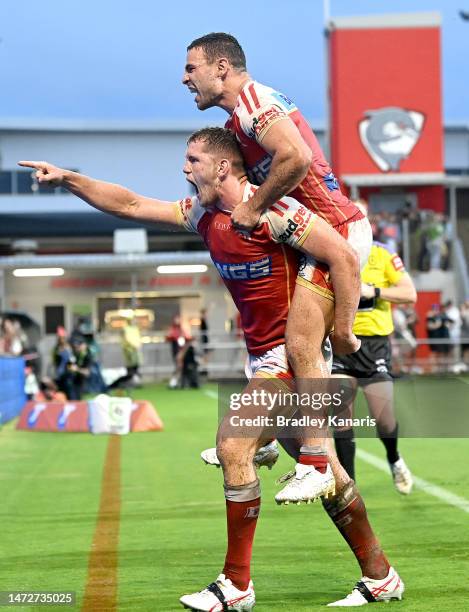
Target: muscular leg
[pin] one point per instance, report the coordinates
(309, 322)
(380, 398)
(243, 497)
(343, 436)
(348, 513)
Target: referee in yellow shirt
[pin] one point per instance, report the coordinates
(384, 282)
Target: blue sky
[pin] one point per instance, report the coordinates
(117, 59)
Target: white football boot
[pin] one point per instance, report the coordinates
(371, 591)
(266, 456)
(402, 477)
(305, 484)
(221, 596)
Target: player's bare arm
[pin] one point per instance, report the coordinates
(403, 292)
(107, 197)
(327, 245)
(291, 159)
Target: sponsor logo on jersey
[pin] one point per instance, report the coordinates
(389, 135)
(262, 121)
(331, 182)
(258, 173)
(245, 271)
(284, 101)
(296, 225)
(397, 263)
(223, 227)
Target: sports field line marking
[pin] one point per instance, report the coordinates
(434, 490)
(101, 586)
(210, 393)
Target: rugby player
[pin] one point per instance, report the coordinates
(260, 272)
(283, 156)
(384, 282)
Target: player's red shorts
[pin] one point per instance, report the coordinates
(315, 275)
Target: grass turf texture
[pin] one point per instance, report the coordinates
(172, 526)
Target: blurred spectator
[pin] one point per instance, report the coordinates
(80, 367)
(389, 232)
(62, 359)
(189, 366)
(438, 328)
(433, 245)
(204, 339)
(464, 311)
(178, 336)
(84, 329)
(48, 392)
(10, 338)
(131, 343)
(407, 346)
(453, 314)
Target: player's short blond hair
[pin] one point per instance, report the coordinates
(220, 141)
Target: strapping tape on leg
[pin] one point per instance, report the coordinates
(337, 504)
(243, 493)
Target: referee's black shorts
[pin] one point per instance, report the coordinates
(370, 364)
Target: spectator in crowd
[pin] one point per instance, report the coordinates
(190, 366)
(454, 316)
(434, 232)
(84, 329)
(464, 311)
(10, 338)
(177, 336)
(48, 391)
(438, 328)
(389, 232)
(131, 343)
(80, 367)
(406, 344)
(204, 338)
(62, 359)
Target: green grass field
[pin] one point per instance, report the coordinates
(172, 523)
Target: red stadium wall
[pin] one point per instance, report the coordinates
(424, 303)
(374, 68)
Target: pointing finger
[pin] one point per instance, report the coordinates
(33, 164)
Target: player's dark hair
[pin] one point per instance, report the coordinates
(222, 141)
(219, 44)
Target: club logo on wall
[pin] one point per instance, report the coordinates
(389, 135)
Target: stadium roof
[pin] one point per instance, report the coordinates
(26, 124)
(105, 261)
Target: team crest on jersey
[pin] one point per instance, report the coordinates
(389, 135)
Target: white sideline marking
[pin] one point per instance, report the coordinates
(210, 393)
(446, 496)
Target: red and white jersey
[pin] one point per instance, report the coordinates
(257, 109)
(259, 269)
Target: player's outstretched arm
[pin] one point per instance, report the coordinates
(291, 159)
(107, 197)
(327, 245)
